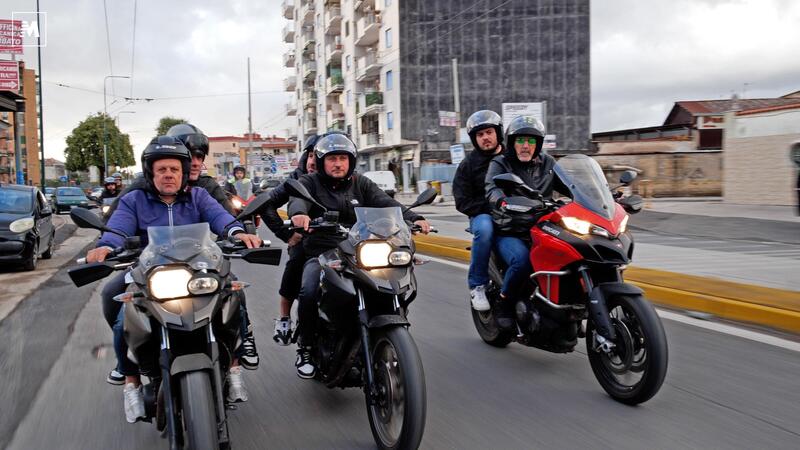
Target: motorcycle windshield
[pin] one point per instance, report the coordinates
(189, 244)
(380, 223)
(586, 182)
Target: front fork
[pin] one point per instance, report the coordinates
(363, 318)
(166, 387)
(598, 313)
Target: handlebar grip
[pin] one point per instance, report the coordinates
(434, 230)
(81, 261)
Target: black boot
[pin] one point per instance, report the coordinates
(503, 311)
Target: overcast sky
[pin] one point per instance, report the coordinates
(645, 55)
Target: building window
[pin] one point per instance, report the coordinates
(347, 28)
(388, 3)
(389, 80)
(233, 144)
(710, 139)
(347, 62)
(389, 38)
(389, 120)
(349, 97)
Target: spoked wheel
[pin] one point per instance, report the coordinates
(634, 369)
(397, 416)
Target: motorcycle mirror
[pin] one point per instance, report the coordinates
(426, 197)
(632, 204)
(507, 181)
(89, 273)
(263, 185)
(87, 219)
(270, 256)
(296, 189)
(627, 177)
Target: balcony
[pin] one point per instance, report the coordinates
(310, 99)
(335, 84)
(291, 134)
(333, 20)
(335, 117)
(308, 43)
(288, 34)
(370, 104)
(370, 141)
(333, 51)
(368, 30)
(290, 83)
(287, 8)
(291, 109)
(311, 128)
(307, 13)
(309, 70)
(368, 67)
(360, 5)
(288, 59)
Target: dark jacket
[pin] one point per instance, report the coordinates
(141, 209)
(468, 188)
(537, 174)
(108, 194)
(209, 184)
(278, 197)
(343, 197)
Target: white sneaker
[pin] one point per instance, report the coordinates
(134, 402)
(304, 364)
(237, 392)
(479, 300)
(283, 331)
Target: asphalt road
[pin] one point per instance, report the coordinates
(721, 391)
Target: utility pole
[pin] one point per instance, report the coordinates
(249, 114)
(39, 88)
(456, 101)
(105, 116)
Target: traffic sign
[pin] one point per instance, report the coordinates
(63, 178)
(9, 76)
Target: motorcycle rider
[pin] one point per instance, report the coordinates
(109, 189)
(523, 157)
(239, 185)
(166, 163)
(118, 179)
(485, 129)
(336, 187)
(292, 272)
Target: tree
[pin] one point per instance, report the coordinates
(166, 123)
(85, 145)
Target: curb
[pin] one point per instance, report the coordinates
(740, 302)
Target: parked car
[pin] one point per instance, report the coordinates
(49, 192)
(26, 227)
(385, 180)
(95, 193)
(67, 197)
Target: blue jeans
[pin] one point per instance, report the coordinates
(482, 236)
(515, 253)
(113, 313)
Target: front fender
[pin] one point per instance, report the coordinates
(191, 363)
(385, 320)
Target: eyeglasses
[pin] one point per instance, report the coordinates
(522, 140)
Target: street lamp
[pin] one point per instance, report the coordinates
(105, 113)
(116, 118)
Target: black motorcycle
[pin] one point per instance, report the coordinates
(182, 321)
(367, 284)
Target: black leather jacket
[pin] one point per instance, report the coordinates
(468, 186)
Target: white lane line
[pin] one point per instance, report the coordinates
(669, 315)
(63, 221)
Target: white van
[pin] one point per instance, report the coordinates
(384, 179)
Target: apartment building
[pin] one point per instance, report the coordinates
(227, 152)
(382, 70)
(23, 108)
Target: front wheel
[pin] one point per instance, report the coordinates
(634, 369)
(199, 416)
(397, 414)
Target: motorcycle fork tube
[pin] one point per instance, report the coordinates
(213, 351)
(364, 323)
(166, 387)
(598, 311)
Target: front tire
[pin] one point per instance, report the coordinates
(49, 252)
(199, 416)
(634, 370)
(30, 263)
(397, 417)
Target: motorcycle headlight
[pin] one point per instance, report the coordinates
(21, 225)
(374, 254)
(399, 258)
(105, 208)
(169, 283)
(576, 225)
(236, 203)
(203, 285)
(624, 224)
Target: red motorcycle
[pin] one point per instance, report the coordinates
(579, 251)
(252, 223)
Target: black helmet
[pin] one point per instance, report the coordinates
(110, 180)
(525, 126)
(240, 168)
(310, 143)
(332, 144)
(192, 138)
(117, 175)
(163, 147)
(481, 120)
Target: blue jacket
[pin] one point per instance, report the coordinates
(141, 209)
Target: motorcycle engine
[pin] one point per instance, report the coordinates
(527, 317)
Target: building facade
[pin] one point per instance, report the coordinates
(26, 116)
(382, 70)
(54, 169)
(227, 152)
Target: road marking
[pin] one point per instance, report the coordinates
(63, 221)
(669, 315)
